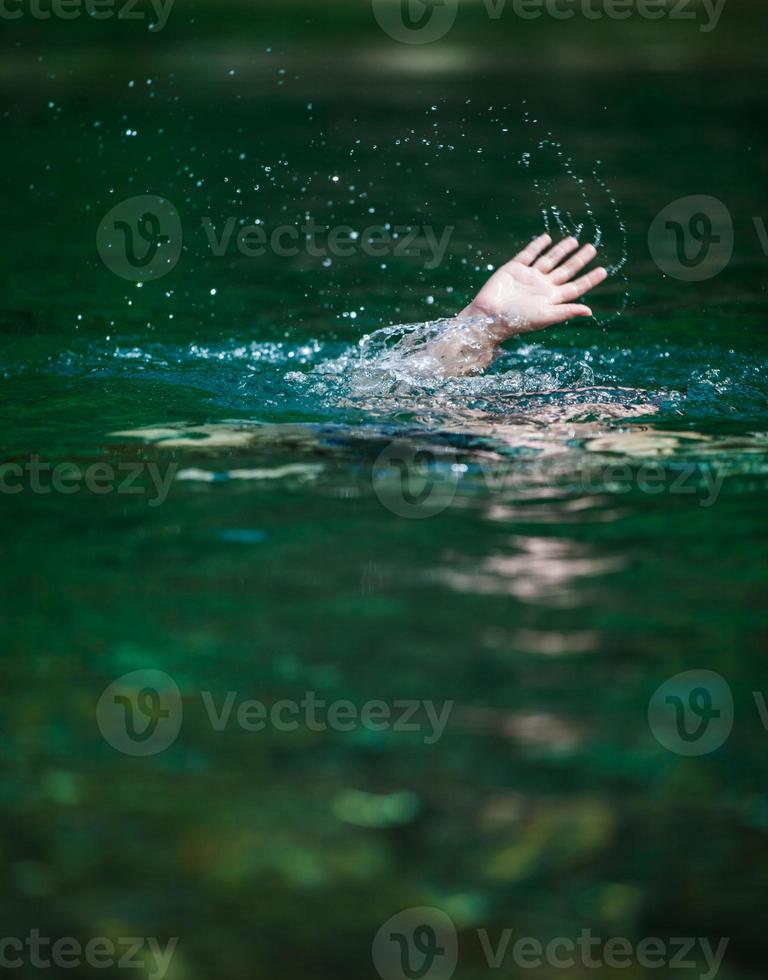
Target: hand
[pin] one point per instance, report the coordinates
(536, 289)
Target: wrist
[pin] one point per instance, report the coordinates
(496, 328)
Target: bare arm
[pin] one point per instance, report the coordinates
(534, 290)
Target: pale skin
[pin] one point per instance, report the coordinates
(534, 290)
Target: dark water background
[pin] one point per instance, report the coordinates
(549, 612)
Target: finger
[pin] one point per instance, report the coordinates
(530, 252)
(566, 311)
(569, 269)
(547, 262)
(581, 285)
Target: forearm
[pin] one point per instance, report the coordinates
(467, 344)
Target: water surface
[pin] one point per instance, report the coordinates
(546, 594)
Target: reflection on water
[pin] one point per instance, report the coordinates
(538, 570)
(547, 643)
(537, 729)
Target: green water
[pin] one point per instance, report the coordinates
(547, 599)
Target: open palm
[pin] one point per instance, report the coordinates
(537, 287)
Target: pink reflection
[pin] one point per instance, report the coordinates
(537, 570)
(534, 728)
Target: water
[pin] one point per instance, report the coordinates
(580, 524)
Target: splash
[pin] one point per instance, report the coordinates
(580, 219)
(393, 371)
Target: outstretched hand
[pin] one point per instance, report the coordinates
(536, 289)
